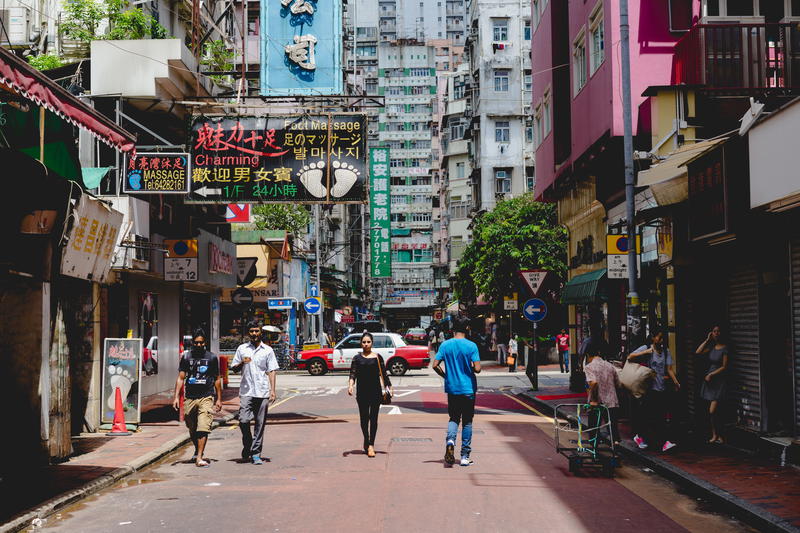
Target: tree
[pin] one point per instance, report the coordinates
(82, 18)
(288, 217)
(45, 61)
(518, 234)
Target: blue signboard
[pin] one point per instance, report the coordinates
(535, 310)
(301, 47)
(312, 305)
(314, 290)
(280, 303)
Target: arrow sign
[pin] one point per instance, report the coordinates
(312, 306)
(242, 298)
(245, 270)
(206, 191)
(279, 303)
(535, 310)
(239, 213)
(534, 279)
(314, 291)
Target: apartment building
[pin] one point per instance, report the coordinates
(498, 46)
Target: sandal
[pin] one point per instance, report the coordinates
(202, 463)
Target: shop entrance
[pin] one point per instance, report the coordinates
(196, 314)
(776, 353)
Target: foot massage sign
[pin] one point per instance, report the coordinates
(299, 159)
(121, 363)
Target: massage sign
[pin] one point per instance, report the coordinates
(299, 159)
(157, 173)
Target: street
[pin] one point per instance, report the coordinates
(316, 477)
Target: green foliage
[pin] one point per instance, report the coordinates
(83, 17)
(216, 56)
(287, 217)
(520, 233)
(45, 61)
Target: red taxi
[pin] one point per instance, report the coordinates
(399, 356)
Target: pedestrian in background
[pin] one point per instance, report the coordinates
(714, 383)
(433, 341)
(368, 369)
(650, 411)
(502, 346)
(603, 381)
(256, 390)
(513, 349)
(461, 363)
(198, 369)
(562, 343)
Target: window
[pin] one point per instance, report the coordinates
(253, 20)
(527, 30)
(458, 91)
(680, 15)
(366, 50)
(502, 131)
(500, 29)
(396, 163)
(794, 8)
(538, 124)
(382, 341)
(529, 134)
(457, 131)
(530, 179)
(502, 180)
(546, 115)
(399, 199)
(596, 38)
(738, 8)
(371, 87)
(579, 62)
(420, 72)
(528, 81)
(394, 91)
(460, 171)
(352, 342)
(501, 80)
(420, 89)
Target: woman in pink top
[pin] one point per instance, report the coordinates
(562, 342)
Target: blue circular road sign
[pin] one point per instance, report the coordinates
(535, 309)
(312, 305)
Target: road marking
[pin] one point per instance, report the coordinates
(276, 404)
(526, 406)
(401, 393)
(395, 410)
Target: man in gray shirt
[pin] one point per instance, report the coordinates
(257, 388)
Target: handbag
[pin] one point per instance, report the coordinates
(386, 396)
(635, 378)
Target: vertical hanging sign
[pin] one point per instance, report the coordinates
(380, 213)
(301, 47)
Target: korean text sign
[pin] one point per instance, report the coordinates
(380, 213)
(157, 173)
(302, 159)
(301, 47)
(92, 239)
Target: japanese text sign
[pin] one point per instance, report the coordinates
(151, 173)
(380, 213)
(301, 47)
(92, 239)
(301, 159)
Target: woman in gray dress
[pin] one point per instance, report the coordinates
(713, 389)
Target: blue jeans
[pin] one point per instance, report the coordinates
(563, 360)
(461, 408)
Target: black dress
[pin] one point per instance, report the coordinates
(364, 371)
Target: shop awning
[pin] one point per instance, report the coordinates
(583, 288)
(20, 77)
(668, 180)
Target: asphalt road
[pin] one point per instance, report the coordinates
(317, 478)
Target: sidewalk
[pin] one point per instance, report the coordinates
(761, 493)
(98, 462)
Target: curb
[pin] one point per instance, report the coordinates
(52, 505)
(739, 508)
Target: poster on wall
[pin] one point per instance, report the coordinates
(121, 365)
(298, 159)
(380, 214)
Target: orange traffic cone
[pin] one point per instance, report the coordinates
(118, 428)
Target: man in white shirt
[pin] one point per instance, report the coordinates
(256, 390)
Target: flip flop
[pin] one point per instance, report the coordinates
(202, 463)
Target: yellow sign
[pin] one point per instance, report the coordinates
(618, 244)
(312, 346)
(181, 248)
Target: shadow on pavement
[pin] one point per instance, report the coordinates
(299, 418)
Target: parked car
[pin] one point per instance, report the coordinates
(399, 356)
(416, 336)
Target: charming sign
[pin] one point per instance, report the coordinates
(92, 238)
(380, 213)
(121, 370)
(301, 47)
(301, 159)
(151, 173)
(219, 262)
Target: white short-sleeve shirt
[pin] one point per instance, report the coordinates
(255, 382)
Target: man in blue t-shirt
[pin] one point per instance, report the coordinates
(461, 363)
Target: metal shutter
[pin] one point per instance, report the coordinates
(795, 288)
(744, 381)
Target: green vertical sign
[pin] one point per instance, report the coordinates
(380, 213)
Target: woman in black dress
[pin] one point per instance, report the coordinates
(364, 369)
(714, 383)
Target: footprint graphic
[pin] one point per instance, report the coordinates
(119, 378)
(346, 176)
(311, 178)
(135, 180)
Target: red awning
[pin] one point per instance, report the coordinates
(35, 86)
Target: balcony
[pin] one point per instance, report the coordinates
(739, 57)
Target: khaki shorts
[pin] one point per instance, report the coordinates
(199, 414)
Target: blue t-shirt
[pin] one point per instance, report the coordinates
(458, 355)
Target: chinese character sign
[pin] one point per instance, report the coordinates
(301, 47)
(92, 239)
(380, 213)
(157, 173)
(306, 159)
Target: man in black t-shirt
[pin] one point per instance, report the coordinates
(199, 370)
